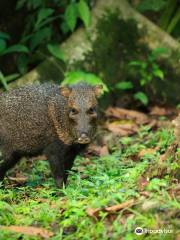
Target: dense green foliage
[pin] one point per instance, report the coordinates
(47, 23)
(98, 183)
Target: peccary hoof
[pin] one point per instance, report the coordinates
(60, 182)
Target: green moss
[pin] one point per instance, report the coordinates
(117, 43)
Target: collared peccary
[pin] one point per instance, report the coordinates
(56, 121)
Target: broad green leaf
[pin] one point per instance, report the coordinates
(4, 35)
(12, 77)
(22, 63)
(142, 97)
(158, 73)
(43, 14)
(71, 16)
(135, 63)
(56, 51)
(15, 48)
(84, 12)
(78, 76)
(125, 85)
(3, 80)
(2, 45)
(40, 36)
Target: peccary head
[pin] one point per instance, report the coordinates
(82, 110)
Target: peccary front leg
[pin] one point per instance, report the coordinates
(70, 156)
(55, 153)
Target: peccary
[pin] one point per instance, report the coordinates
(56, 121)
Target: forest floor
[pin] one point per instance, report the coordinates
(127, 179)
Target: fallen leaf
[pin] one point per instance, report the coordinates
(161, 111)
(95, 212)
(31, 231)
(20, 179)
(122, 129)
(144, 152)
(169, 153)
(98, 150)
(120, 206)
(121, 113)
(145, 193)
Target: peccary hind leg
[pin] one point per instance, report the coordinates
(7, 163)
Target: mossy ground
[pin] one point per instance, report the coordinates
(98, 182)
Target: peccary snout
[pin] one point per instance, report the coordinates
(84, 139)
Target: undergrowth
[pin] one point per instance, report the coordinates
(96, 183)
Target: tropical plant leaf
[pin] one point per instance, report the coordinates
(71, 16)
(2, 45)
(56, 51)
(43, 14)
(142, 97)
(125, 85)
(158, 73)
(15, 48)
(84, 12)
(4, 35)
(78, 76)
(40, 36)
(3, 80)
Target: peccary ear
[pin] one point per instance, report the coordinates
(98, 90)
(65, 91)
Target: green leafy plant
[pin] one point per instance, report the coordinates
(4, 50)
(77, 10)
(78, 76)
(47, 22)
(147, 71)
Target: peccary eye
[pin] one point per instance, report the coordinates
(92, 110)
(73, 111)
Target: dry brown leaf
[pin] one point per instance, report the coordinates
(146, 151)
(95, 212)
(169, 153)
(31, 231)
(122, 129)
(19, 179)
(121, 113)
(120, 206)
(98, 150)
(103, 151)
(145, 193)
(161, 111)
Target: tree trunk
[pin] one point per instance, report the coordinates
(79, 44)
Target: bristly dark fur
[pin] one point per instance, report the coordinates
(35, 119)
